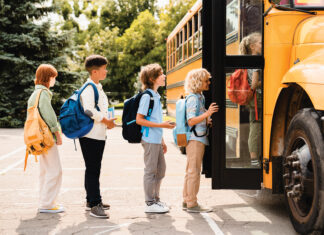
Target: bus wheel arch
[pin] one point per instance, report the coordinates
(289, 102)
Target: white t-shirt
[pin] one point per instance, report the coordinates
(98, 131)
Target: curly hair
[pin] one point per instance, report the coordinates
(43, 74)
(149, 74)
(194, 80)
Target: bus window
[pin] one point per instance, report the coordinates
(174, 52)
(243, 17)
(195, 39)
(177, 46)
(180, 52)
(190, 38)
(200, 30)
(244, 123)
(185, 42)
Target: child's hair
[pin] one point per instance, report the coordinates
(149, 74)
(43, 74)
(245, 45)
(194, 80)
(94, 62)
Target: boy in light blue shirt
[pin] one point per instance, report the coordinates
(152, 78)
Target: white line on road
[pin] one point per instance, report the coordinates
(12, 153)
(248, 195)
(11, 166)
(111, 228)
(212, 224)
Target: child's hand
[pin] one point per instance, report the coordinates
(168, 124)
(213, 107)
(165, 148)
(110, 123)
(58, 138)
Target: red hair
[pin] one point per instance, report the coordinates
(43, 74)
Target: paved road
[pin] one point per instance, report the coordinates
(235, 211)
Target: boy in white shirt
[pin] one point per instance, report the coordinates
(93, 143)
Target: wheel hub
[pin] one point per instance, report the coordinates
(296, 168)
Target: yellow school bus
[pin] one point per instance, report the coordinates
(184, 46)
(288, 70)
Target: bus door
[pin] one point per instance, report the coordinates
(233, 47)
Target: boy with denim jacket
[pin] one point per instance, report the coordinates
(152, 78)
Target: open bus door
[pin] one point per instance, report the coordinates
(235, 136)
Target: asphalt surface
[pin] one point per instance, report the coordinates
(234, 211)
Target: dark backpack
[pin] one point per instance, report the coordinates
(74, 122)
(132, 132)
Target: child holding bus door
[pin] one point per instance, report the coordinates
(197, 81)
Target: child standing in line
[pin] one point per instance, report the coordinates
(50, 178)
(93, 143)
(152, 78)
(197, 81)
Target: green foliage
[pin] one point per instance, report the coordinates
(76, 8)
(123, 12)
(66, 9)
(24, 45)
(128, 34)
(70, 24)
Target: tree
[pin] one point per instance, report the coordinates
(136, 46)
(122, 13)
(26, 41)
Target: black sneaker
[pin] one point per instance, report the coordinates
(104, 206)
(98, 212)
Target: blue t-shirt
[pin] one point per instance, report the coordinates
(151, 135)
(191, 111)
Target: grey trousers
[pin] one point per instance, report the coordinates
(154, 171)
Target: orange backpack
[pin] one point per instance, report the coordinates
(239, 90)
(37, 136)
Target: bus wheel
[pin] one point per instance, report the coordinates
(303, 172)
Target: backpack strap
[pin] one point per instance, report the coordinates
(149, 112)
(193, 128)
(38, 97)
(151, 105)
(96, 94)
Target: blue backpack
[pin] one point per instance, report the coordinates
(132, 132)
(182, 132)
(74, 122)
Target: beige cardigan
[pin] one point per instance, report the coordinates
(98, 131)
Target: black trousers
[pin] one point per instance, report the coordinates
(92, 151)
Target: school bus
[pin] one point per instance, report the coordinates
(290, 68)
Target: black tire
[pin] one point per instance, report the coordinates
(304, 146)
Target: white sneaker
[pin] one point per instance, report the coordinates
(156, 208)
(163, 204)
(57, 209)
